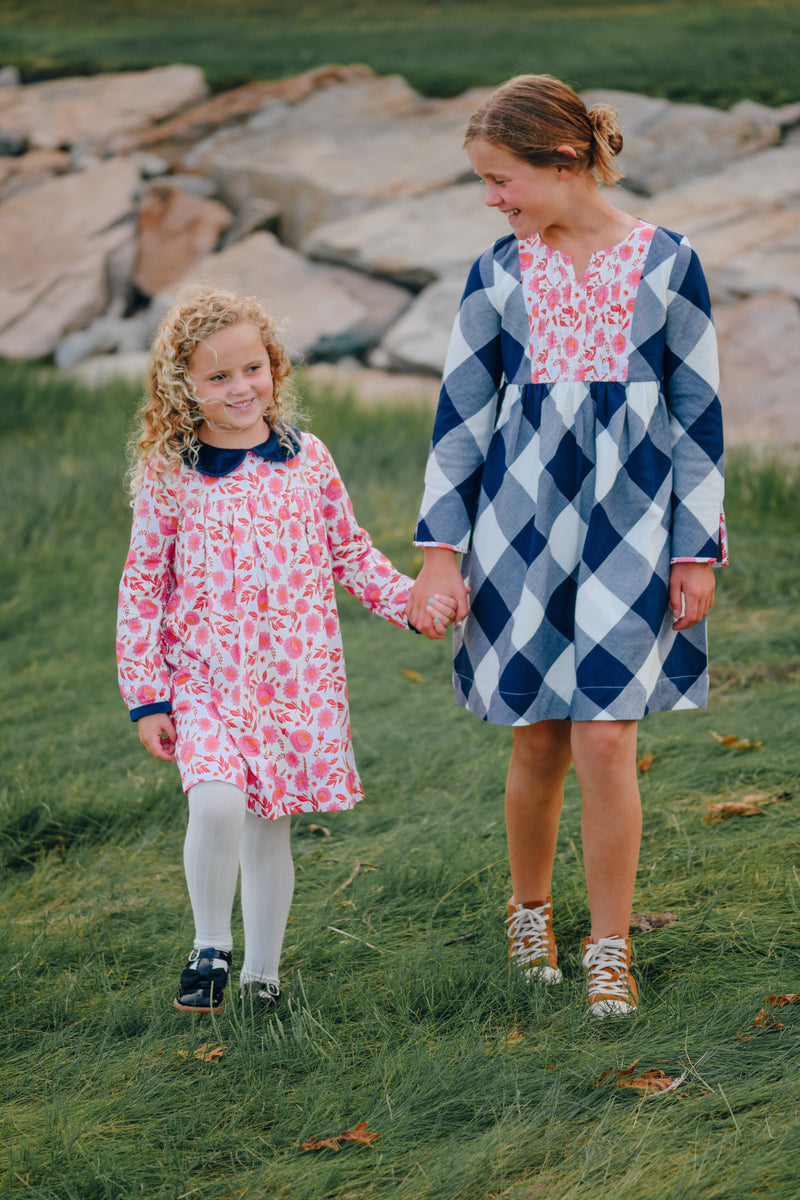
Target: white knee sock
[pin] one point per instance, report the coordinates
(220, 836)
(267, 886)
(211, 859)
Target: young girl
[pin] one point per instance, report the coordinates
(577, 465)
(229, 650)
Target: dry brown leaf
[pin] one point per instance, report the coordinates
(645, 922)
(649, 1083)
(735, 742)
(514, 1038)
(321, 830)
(731, 808)
(645, 762)
(414, 676)
(767, 1019)
(209, 1053)
(357, 1134)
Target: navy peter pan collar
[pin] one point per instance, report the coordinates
(216, 460)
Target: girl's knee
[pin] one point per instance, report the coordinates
(603, 741)
(544, 747)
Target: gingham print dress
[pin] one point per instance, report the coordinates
(228, 621)
(577, 454)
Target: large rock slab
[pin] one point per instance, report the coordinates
(667, 144)
(744, 223)
(324, 311)
(95, 112)
(346, 147)
(414, 240)
(60, 244)
(176, 231)
(760, 365)
(419, 340)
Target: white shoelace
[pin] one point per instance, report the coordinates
(530, 923)
(607, 963)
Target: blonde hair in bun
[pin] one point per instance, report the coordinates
(536, 116)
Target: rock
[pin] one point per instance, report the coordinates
(346, 147)
(173, 138)
(372, 387)
(176, 231)
(254, 215)
(55, 245)
(667, 144)
(760, 363)
(9, 76)
(108, 335)
(419, 340)
(31, 169)
(744, 222)
(98, 111)
(414, 240)
(106, 368)
(325, 310)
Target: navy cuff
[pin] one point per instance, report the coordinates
(145, 710)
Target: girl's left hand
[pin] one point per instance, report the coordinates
(691, 593)
(440, 611)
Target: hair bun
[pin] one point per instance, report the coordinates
(605, 126)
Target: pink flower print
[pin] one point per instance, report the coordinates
(615, 291)
(146, 694)
(632, 278)
(249, 628)
(262, 600)
(625, 251)
(140, 647)
(280, 553)
(295, 531)
(315, 700)
(275, 485)
(325, 719)
(579, 374)
(248, 745)
(324, 795)
(297, 579)
(194, 541)
(372, 593)
(218, 578)
(282, 594)
(599, 337)
(320, 768)
(211, 744)
(334, 490)
(292, 760)
(301, 781)
(135, 625)
(302, 740)
(313, 622)
(227, 558)
(264, 640)
(274, 574)
(552, 298)
(525, 260)
(330, 626)
(283, 667)
(312, 674)
(147, 609)
(601, 294)
(173, 603)
(186, 751)
(570, 346)
(168, 526)
(279, 789)
(205, 724)
(192, 617)
(230, 673)
(283, 512)
(270, 734)
(228, 601)
(292, 689)
(293, 647)
(265, 693)
(315, 550)
(350, 781)
(301, 606)
(329, 512)
(582, 306)
(202, 636)
(618, 343)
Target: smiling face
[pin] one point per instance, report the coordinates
(532, 198)
(231, 379)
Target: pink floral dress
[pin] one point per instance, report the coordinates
(228, 620)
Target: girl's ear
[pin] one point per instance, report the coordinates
(570, 150)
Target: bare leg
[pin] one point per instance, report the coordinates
(604, 753)
(540, 759)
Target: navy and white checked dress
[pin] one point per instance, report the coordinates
(576, 454)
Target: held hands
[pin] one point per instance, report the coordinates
(157, 735)
(439, 587)
(691, 593)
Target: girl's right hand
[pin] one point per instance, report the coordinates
(440, 575)
(157, 735)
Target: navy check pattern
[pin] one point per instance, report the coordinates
(571, 500)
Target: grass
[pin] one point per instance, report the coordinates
(479, 1088)
(712, 51)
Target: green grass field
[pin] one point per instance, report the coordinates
(401, 1010)
(714, 51)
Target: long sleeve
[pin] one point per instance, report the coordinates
(145, 590)
(468, 402)
(691, 385)
(357, 565)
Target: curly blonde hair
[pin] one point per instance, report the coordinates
(169, 417)
(533, 115)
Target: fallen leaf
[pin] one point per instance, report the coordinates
(766, 1019)
(649, 1083)
(514, 1038)
(645, 922)
(414, 676)
(735, 742)
(322, 830)
(731, 808)
(357, 1134)
(645, 762)
(209, 1053)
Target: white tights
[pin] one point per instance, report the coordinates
(221, 837)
